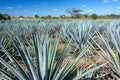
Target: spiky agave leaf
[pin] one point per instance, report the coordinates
(108, 52)
(46, 68)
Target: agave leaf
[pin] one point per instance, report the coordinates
(70, 67)
(52, 56)
(16, 62)
(7, 74)
(89, 71)
(108, 54)
(37, 43)
(59, 75)
(28, 62)
(12, 69)
(22, 71)
(60, 60)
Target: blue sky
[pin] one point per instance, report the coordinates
(57, 7)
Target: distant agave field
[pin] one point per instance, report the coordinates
(60, 49)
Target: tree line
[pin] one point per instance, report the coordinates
(74, 14)
(4, 17)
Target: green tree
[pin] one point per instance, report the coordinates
(62, 16)
(73, 11)
(49, 17)
(85, 15)
(43, 17)
(1, 16)
(21, 16)
(4, 17)
(36, 16)
(94, 16)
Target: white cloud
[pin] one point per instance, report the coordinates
(115, 0)
(9, 7)
(108, 9)
(89, 10)
(118, 7)
(35, 12)
(83, 5)
(55, 9)
(106, 1)
(54, 13)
